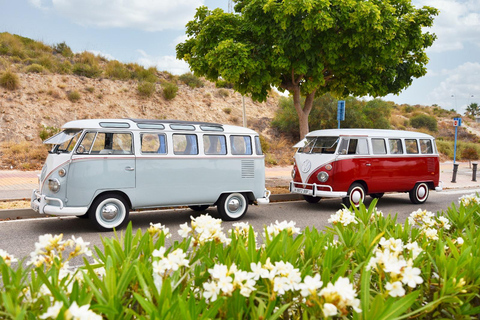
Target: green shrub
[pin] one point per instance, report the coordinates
(141, 74)
(73, 96)
(63, 49)
(47, 132)
(146, 89)
(469, 153)
(424, 121)
(35, 68)
(223, 93)
(117, 70)
(86, 70)
(64, 67)
(223, 84)
(364, 266)
(191, 80)
(170, 90)
(9, 80)
(227, 110)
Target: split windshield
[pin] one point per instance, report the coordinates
(65, 141)
(326, 145)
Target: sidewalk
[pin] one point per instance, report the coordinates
(18, 185)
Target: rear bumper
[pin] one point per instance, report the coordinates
(265, 199)
(39, 204)
(301, 188)
(439, 187)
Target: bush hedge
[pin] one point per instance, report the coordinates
(364, 266)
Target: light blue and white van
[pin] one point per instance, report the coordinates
(101, 169)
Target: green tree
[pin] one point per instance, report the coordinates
(473, 109)
(309, 48)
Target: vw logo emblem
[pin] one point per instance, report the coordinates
(306, 165)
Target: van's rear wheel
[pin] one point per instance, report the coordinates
(311, 199)
(199, 208)
(232, 206)
(419, 193)
(109, 211)
(356, 195)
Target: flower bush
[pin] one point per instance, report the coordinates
(364, 266)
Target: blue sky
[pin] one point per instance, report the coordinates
(147, 31)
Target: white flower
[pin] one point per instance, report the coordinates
(444, 223)
(459, 240)
(275, 229)
(241, 229)
(329, 310)
(81, 313)
(414, 248)
(310, 285)
(258, 271)
(7, 258)
(52, 311)
(158, 228)
(212, 290)
(81, 247)
(470, 199)
(395, 289)
(280, 285)
(185, 230)
(411, 277)
(343, 216)
(431, 234)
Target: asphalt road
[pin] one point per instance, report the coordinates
(18, 237)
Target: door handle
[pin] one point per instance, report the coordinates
(368, 164)
(129, 169)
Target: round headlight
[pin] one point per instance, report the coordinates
(62, 172)
(322, 176)
(54, 185)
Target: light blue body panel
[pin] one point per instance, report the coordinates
(89, 176)
(188, 181)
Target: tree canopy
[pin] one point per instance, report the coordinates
(311, 47)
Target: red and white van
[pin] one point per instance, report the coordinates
(352, 163)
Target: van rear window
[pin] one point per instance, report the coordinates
(426, 146)
(412, 146)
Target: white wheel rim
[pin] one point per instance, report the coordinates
(235, 205)
(422, 192)
(356, 196)
(110, 213)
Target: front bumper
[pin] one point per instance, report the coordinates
(301, 188)
(40, 204)
(265, 199)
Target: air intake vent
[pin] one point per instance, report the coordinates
(248, 169)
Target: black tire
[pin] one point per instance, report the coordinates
(419, 193)
(108, 212)
(377, 195)
(356, 194)
(83, 216)
(199, 208)
(311, 199)
(232, 206)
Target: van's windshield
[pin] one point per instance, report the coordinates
(319, 145)
(64, 141)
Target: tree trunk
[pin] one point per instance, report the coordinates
(304, 112)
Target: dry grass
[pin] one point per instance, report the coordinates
(8, 205)
(24, 156)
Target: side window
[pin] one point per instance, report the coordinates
(112, 143)
(185, 144)
(153, 143)
(86, 143)
(214, 144)
(395, 146)
(258, 146)
(378, 146)
(241, 145)
(426, 146)
(411, 145)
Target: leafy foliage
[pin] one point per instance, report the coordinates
(424, 121)
(170, 90)
(146, 89)
(309, 49)
(346, 271)
(9, 80)
(359, 114)
(191, 80)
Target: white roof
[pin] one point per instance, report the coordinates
(380, 133)
(132, 124)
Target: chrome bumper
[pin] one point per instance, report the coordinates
(266, 197)
(39, 204)
(314, 192)
(439, 187)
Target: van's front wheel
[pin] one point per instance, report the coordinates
(232, 206)
(109, 211)
(356, 195)
(419, 193)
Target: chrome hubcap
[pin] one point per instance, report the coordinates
(233, 205)
(109, 212)
(356, 196)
